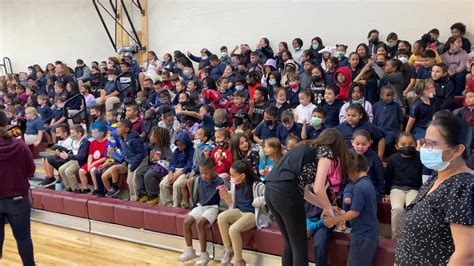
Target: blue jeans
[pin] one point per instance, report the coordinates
(459, 82)
(320, 246)
(17, 211)
(362, 251)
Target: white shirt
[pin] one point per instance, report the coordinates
(67, 143)
(304, 112)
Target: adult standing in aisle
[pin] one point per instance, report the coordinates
(287, 188)
(16, 162)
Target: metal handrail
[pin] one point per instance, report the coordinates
(81, 111)
(7, 64)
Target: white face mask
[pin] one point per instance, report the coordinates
(404, 60)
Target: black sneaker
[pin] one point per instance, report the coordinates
(84, 191)
(48, 182)
(97, 192)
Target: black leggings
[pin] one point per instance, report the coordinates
(287, 207)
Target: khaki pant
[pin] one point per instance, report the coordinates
(131, 180)
(30, 139)
(170, 194)
(109, 103)
(69, 172)
(232, 223)
(399, 199)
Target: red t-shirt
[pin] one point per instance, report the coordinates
(137, 126)
(97, 151)
(222, 160)
(252, 90)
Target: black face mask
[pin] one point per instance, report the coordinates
(269, 122)
(375, 41)
(407, 150)
(316, 78)
(380, 64)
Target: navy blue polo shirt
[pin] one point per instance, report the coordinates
(58, 113)
(285, 106)
(293, 98)
(347, 130)
(332, 113)
(34, 126)
(312, 133)
(422, 112)
(282, 132)
(364, 202)
(208, 193)
(110, 87)
(46, 113)
(388, 116)
(423, 73)
(263, 132)
(244, 198)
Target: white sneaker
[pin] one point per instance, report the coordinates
(203, 259)
(227, 256)
(188, 254)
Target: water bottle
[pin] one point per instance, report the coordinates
(58, 186)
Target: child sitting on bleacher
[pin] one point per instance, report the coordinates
(44, 110)
(332, 106)
(202, 150)
(34, 127)
(133, 149)
(388, 116)
(149, 177)
(312, 128)
(362, 214)
(423, 109)
(53, 162)
(96, 156)
(272, 154)
(403, 177)
(467, 112)
(204, 214)
(58, 116)
(179, 166)
(247, 210)
(361, 142)
(75, 158)
(221, 153)
(113, 156)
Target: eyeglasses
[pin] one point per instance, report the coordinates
(429, 144)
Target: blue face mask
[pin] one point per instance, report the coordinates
(272, 82)
(96, 136)
(239, 88)
(360, 101)
(433, 159)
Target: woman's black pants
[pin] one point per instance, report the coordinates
(287, 207)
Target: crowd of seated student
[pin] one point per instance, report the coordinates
(178, 133)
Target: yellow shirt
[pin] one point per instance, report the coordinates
(413, 59)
